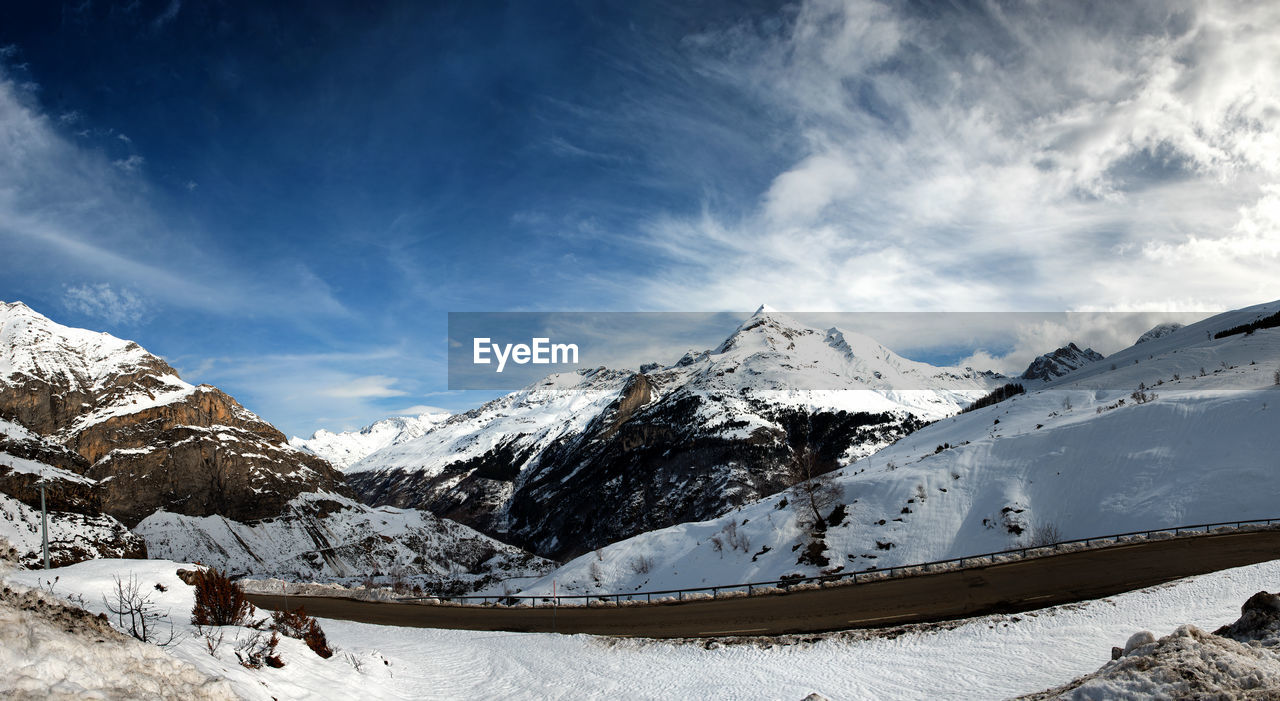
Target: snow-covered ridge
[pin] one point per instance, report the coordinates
(1197, 445)
(620, 452)
(1159, 331)
(348, 447)
(331, 537)
(32, 344)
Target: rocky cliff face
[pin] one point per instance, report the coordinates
(581, 460)
(150, 440)
(77, 528)
(1053, 365)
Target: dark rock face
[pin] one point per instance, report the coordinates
(638, 466)
(202, 456)
(659, 468)
(1060, 362)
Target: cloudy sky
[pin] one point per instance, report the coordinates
(286, 201)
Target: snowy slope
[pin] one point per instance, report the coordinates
(1082, 456)
(349, 447)
(620, 452)
(1158, 331)
(331, 537)
(990, 657)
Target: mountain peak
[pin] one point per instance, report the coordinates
(764, 309)
(1053, 365)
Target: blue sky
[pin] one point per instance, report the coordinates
(285, 200)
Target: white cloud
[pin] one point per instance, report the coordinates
(372, 386)
(1061, 156)
(130, 164)
(418, 409)
(102, 301)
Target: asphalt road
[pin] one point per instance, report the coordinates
(1004, 588)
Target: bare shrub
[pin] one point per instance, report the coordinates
(257, 649)
(135, 613)
(212, 637)
(735, 539)
(355, 662)
(1045, 534)
(641, 564)
(219, 601)
(297, 624)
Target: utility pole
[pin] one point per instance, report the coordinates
(44, 526)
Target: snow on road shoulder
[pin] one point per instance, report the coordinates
(987, 657)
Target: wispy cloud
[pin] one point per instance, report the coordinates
(1075, 155)
(130, 164)
(94, 215)
(302, 392)
(102, 301)
(168, 15)
(377, 386)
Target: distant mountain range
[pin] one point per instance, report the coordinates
(349, 447)
(583, 459)
(677, 475)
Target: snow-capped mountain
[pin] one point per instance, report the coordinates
(583, 459)
(120, 436)
(152, 441)
(348, 447)
(1053, 365)
(1177, 430)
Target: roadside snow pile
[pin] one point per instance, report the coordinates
(1241, 660)
(214, 650)
(51, 650)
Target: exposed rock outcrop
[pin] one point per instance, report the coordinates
(147, 439)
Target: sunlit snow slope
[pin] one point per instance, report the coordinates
(1082, 457)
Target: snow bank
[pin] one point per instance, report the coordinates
(50, 650)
